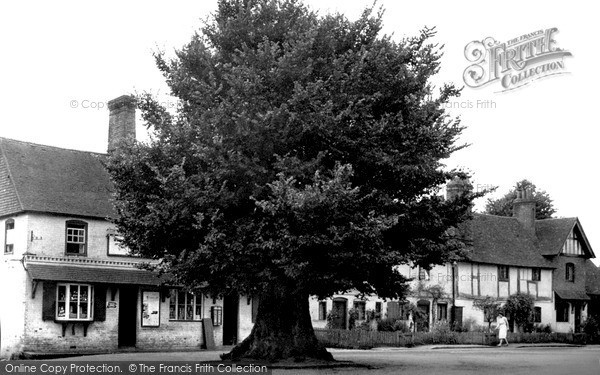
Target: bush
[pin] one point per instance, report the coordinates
(392, 325)
(470, 325)
(386, 325)
(332, 316)
(401, 326)
(542, 328)
(352, 318)
(520, 308)
(591, 327)
(372, 315)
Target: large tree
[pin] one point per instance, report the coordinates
(305, 158)
(503, 206)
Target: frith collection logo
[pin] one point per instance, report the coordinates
(515, 63)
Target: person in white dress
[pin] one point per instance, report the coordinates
(502, 327)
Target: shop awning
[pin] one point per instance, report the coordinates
(572, 294)
(60, 272)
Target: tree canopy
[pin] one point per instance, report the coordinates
(544, 208)
(305, 158)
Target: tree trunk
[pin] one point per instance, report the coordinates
(282, 329)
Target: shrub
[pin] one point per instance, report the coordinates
(520, 308)
(372, 315)
(352, 318)
(401, 326)
(469, 325)
(386, 325)
(542, 328)
(332, 316)
(392, 325)
(490, 307)
(591, 327)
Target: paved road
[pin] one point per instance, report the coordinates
(426, 360)
(530, 361)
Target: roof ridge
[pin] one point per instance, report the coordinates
(558, 218)
(494, 216)
(55, 147)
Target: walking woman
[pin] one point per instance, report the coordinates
(502, 327)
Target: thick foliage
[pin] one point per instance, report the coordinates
(306, 156)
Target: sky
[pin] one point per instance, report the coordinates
(63, 60)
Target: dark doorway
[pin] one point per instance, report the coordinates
(338, 313)
(230, 319)
(127, 316)
(457, 317)
(577, 318)
(422, 316)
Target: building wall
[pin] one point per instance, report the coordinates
(47, 336)
(472, 280)
(45, 236)
(480, 280)
(13, 291)
(12, 308)
(560, 281)
(370, 304)
(22, 325)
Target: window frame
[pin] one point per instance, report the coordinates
(322, 310)
(501, 276)
(536, 274)
(74, 223)
(573, 245)
(570, 272)
(537, 314)
(8, 222)
(68, 300)
(379, 308)
(174, 301)
(439, 310)
(423, 274)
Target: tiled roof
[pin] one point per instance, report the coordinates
(552, 234)
(60, 272)
(502, 240)
(49, 179)
(571, 294)
(592, 278)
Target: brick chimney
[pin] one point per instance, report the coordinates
(457, 187)
(121, 120)
(524, 209)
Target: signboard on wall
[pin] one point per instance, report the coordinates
(150, 309)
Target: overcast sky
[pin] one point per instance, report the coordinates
(62, 61)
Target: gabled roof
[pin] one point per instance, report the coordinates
(49, 179)
(502, 240)
(552, 234)
(592, 278)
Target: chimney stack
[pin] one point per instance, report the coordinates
(457, 187)
(121, 120)
(524, 209)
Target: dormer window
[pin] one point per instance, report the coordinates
(572, 245)
(76, 238)
(9, 230)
